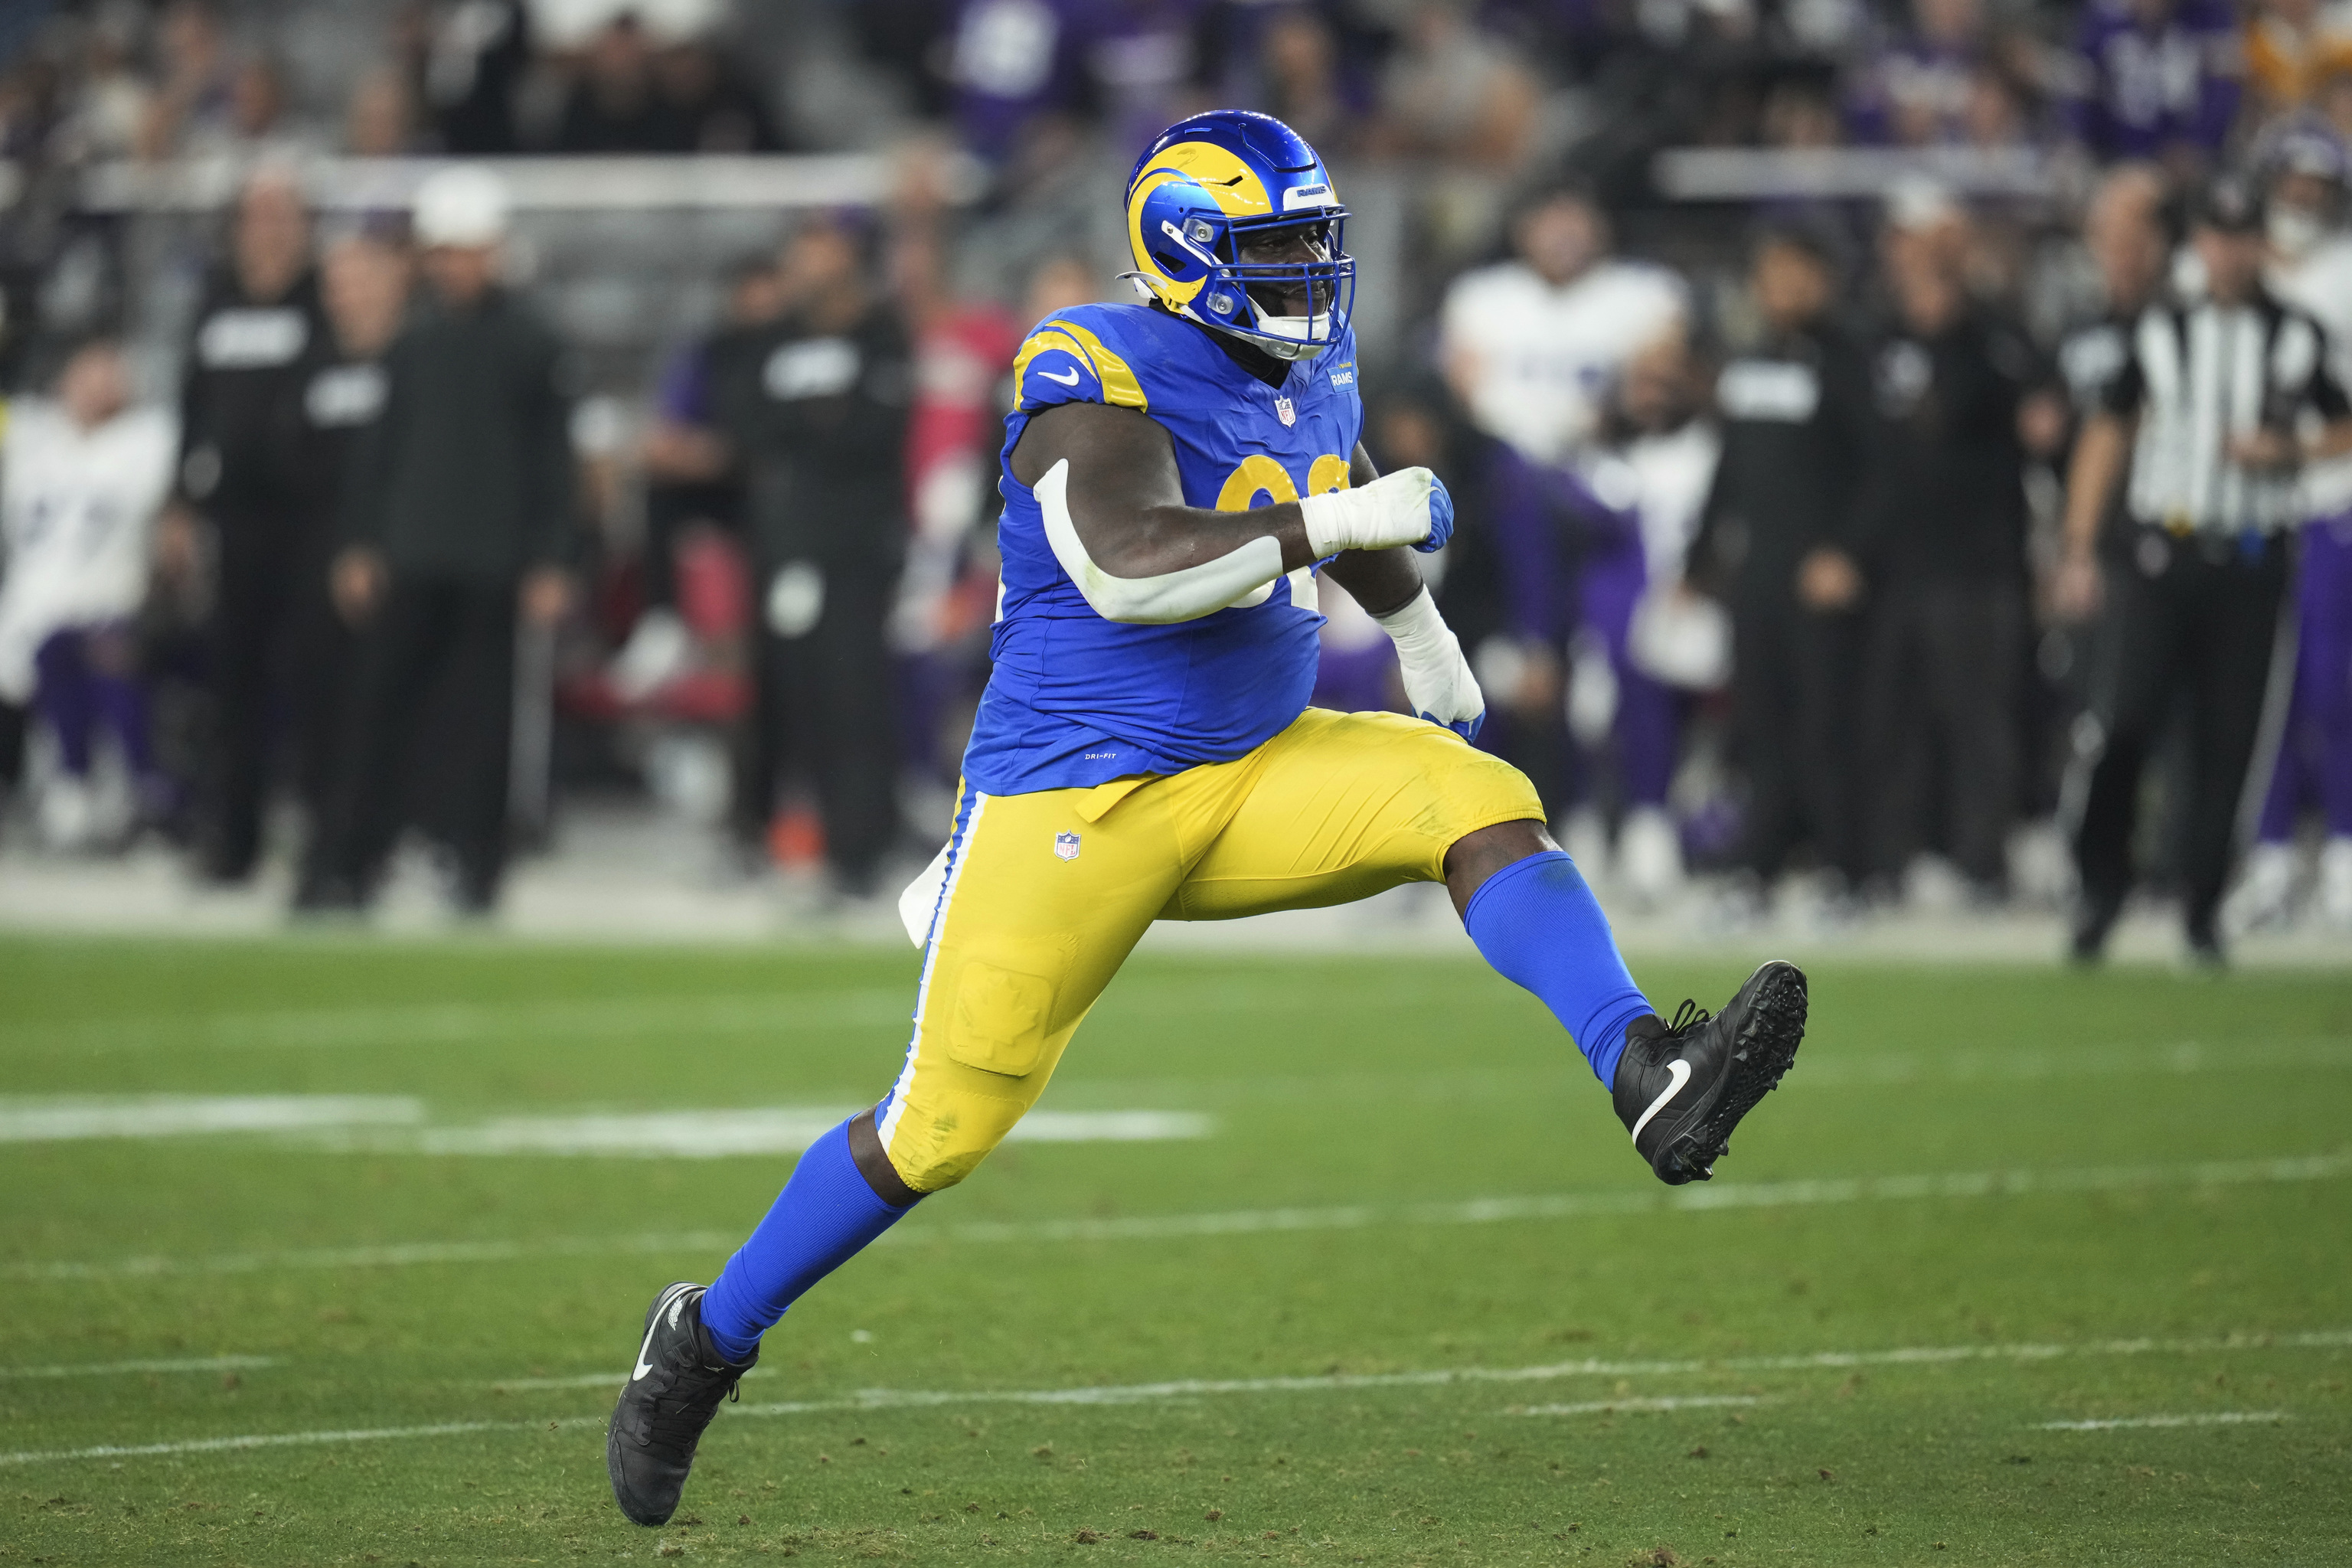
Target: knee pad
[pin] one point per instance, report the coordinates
(988, 1048)
(946, 1131)
(1475, 789)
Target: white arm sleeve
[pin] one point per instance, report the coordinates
(1182, 596)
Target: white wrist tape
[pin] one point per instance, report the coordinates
(1181, 595)
(1392, 509)
(1437, 679)
(1416, 626)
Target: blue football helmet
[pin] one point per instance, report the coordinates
(1199, 191)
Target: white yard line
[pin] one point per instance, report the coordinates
(1110, 1127)
(1876, 1069)
(1590, 1366)
(612, 1378)
(395, 1125)
(1953, 1185)
(1193, 1388)
(2173, 1059)
(665, 1134)
(2208, 1419)
(106, 1368)
(465, 1023)
(398, 1255)
(775, 1130)
(1645, 1200)
(63, 1118)
(1618, 1406)
(266, 1440)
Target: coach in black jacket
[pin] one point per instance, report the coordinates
(815, 410)
(245, 469)
(1775, 540)
(1942, 536)
(459, 510)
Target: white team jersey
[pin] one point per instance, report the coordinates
(76, 509)
(2319, 284)
(1673, 474)
(1538, 362)
(1676, 638)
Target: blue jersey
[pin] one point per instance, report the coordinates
(1077, 700)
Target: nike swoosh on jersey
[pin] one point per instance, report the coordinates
(1680, 1072)
(1069, 379)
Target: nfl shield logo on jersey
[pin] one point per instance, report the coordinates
(1066, 845)
(1284, 412)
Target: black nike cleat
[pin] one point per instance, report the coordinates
(672, 1393)
(2094, 922)
(1681, 1087)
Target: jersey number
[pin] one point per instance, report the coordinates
(1260, 475)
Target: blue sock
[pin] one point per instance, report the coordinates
(1538, 923)
(827, 1213)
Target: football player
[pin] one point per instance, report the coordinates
(1175, 474)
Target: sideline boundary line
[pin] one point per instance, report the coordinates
(1244, 1222)
(2207, 1419)
(878, 1399)
(103, 1368)
(1638, 1405)
(1817, 1360)
(440, 1024)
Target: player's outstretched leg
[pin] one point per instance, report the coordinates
(1681, 1087)
(698, 1343)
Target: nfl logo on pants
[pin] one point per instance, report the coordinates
(1065, 845)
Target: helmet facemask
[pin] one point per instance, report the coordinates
(1299, 305)
(1290, 309)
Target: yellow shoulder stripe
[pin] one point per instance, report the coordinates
(1121, 387)
(1041, 342)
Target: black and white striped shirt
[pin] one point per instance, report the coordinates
(2201, 373)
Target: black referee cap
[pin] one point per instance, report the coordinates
(1814, 233)
(2227, 204)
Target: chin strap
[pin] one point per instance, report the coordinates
(1271, 343)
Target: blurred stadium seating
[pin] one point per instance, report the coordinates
(977, 148)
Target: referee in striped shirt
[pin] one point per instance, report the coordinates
(2218, 401)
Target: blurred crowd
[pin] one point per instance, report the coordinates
(1903, 541)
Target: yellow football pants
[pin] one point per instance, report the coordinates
(1045, 894)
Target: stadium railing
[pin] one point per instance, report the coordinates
(703, 182)
(1849, 173)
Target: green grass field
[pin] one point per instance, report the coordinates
(1410, 1299)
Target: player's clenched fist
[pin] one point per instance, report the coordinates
(1408, 507)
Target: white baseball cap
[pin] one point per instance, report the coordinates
(464, 205)
(1916, 204)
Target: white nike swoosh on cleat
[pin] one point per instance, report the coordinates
(677, 1304)
(1069, 379)
(1677, 1069)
